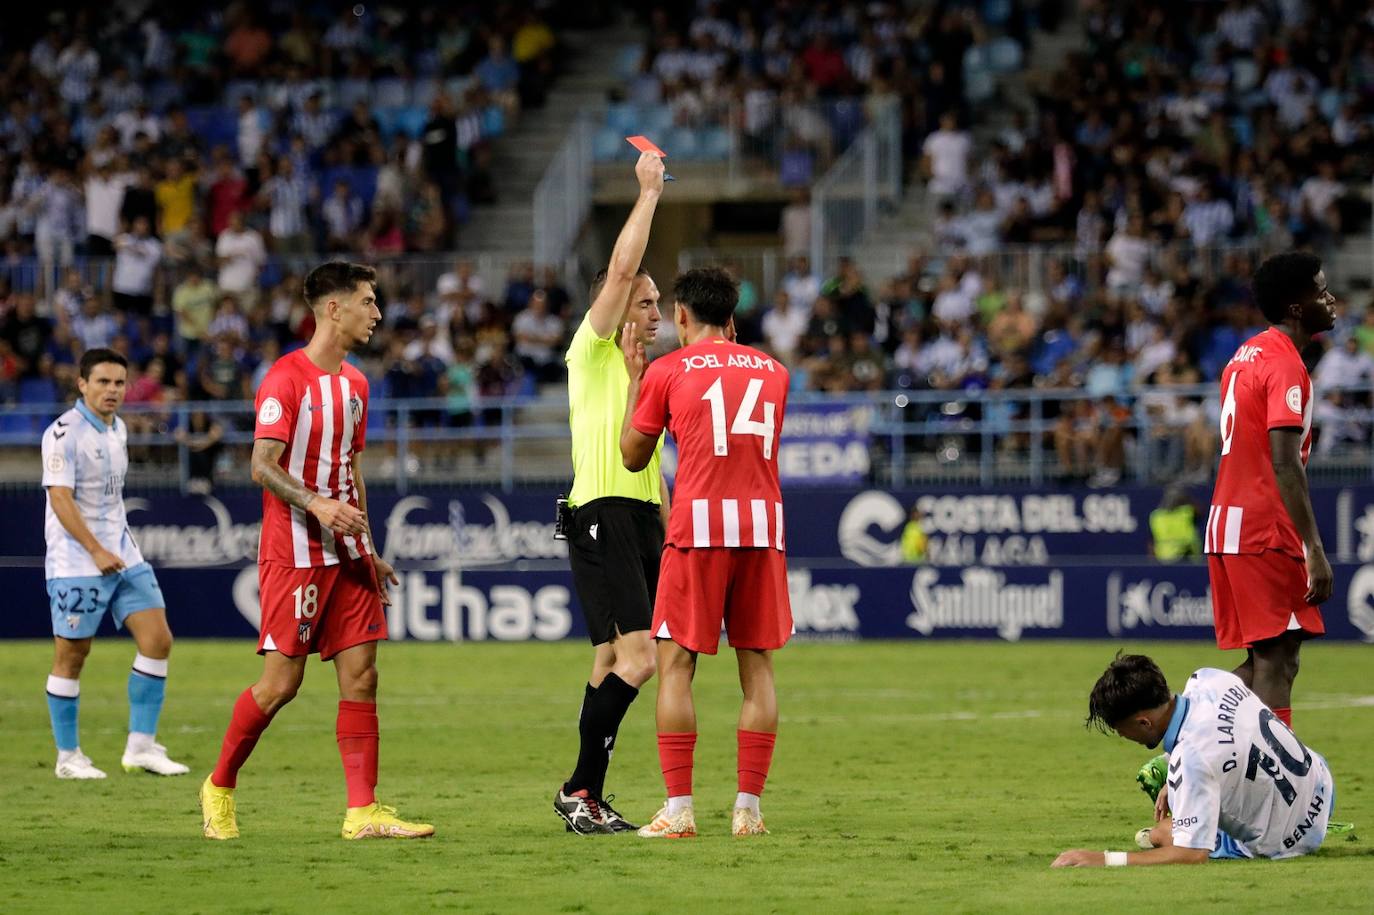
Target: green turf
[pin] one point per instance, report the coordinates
(907, 777)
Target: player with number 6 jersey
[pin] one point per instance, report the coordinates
(723, 557)
(321, 587)
(1268, 568)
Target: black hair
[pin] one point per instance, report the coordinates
(334, 277)
(709, 293)
(599, 281)
(93, 357)
(1131, 683)
(1283, 280)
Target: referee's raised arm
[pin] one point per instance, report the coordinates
(606, 311)
(613, 515)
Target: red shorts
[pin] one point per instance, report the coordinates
(744, 588)
(322, 608)
(1258, 596)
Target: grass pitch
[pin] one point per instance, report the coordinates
(908, 777)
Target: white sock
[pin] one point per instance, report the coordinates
(749, 801)
(681, 802)
(137, 742)
(64, 755)
(153, 667)
(63, 686)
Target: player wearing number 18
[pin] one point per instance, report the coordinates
(321, 585)
(723, 558)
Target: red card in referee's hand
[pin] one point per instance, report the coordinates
(645, 145)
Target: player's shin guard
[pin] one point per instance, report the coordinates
(755, 757)
(603, 712)
(357, 732)
(245, 727)
(64, 701)
(147, 687)
(675, 758)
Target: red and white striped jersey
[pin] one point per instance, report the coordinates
(723, 404)
(1265, 386)
(322, 418)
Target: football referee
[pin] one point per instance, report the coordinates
(615, 534)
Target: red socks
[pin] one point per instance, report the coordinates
(1286, 716)
(755, 756)
(675, 758)
(356, 729)
(245, 727)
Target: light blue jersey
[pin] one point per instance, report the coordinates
(90, 458)
(84, 454)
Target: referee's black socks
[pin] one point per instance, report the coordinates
(602, 711)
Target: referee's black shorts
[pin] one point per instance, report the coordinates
(614, 548)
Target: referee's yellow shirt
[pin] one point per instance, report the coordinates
(597, 393)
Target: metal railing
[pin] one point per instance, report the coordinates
(913, 437)
(845, 202)
(563, 197)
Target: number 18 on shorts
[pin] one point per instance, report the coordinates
(322, 609)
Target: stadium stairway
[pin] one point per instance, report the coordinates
(521, 155)
(906, 229)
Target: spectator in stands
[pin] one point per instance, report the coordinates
(228, 193)
(287, 196)
(222, 375)
(499, 75)
(203, 438)
(241, 255)
(95, 327)
(783, 327)
(104, 192)
(137, 256)
(229, 324)
(57, 211)
(539, 337)
(946, 157)
(27, 335)
(343, 218)
(1344, 365)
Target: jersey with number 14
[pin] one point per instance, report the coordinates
(723, 404)
(322, 420)
(1265, 386)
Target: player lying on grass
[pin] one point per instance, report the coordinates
(1240, 784)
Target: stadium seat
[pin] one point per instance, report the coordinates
(422, 94)
(391, 92)
(608, 144)
(386, 122)
(627, 61)
(681, 143)
(623, 117)
(348, 92)
(715, 144)
(411, 121)
(37, 390)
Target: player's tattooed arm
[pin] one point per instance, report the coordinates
(1285, 448)
(267, 472)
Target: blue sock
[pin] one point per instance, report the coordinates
(146, 689)
(64, 700)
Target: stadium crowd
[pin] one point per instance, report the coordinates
(366, 132)
(209, 154)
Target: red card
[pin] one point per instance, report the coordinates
(645, 145)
